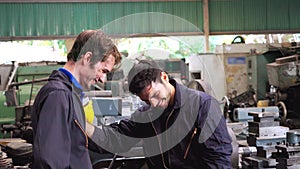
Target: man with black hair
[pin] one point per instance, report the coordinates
(180, 128)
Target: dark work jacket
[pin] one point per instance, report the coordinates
(191, 134)
(58, 123)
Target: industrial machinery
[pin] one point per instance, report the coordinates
(244, 100)
(272, 79)
(208, 68)
(234, 57)
(21, 88)
(288, 155)
(264, 134)
(284, 76)
(21, 82)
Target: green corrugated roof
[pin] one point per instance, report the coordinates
(254, 16)
(68, 19)
(147, 17)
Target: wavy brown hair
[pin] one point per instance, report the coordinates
(98, 43)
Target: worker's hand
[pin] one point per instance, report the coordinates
(89, 129)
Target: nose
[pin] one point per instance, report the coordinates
(153, 102)
(101, 77)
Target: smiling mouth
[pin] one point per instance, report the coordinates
(159, 104)
(96, 80)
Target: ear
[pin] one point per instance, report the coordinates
(164, 77)
(87, 57)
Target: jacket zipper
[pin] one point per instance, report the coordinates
(86, 137)
(162, 155)
(190, 142)
(167, 121)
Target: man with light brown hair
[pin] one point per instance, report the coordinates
(58, 118)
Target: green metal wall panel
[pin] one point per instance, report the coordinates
(133, 18)
(147, 17)
(193, 16)
(294, 6)
(255, 20)
(254, 15)
(68, 19)
(157, 17)
(226, 15)
(278, 14)
(34, 19)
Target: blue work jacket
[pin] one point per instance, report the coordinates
(190, 134)
(58, 123)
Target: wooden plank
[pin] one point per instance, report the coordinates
(282, 60)
(5, 141)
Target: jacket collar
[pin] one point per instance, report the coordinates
(177, 99)
(71, 77)
(74, 83)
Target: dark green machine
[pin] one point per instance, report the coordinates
(257, 72)
(19, 84)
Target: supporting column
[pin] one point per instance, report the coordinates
(206, 24)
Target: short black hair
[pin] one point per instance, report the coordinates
(142, 74)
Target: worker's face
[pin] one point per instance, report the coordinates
(96, 73)
(157, 94)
